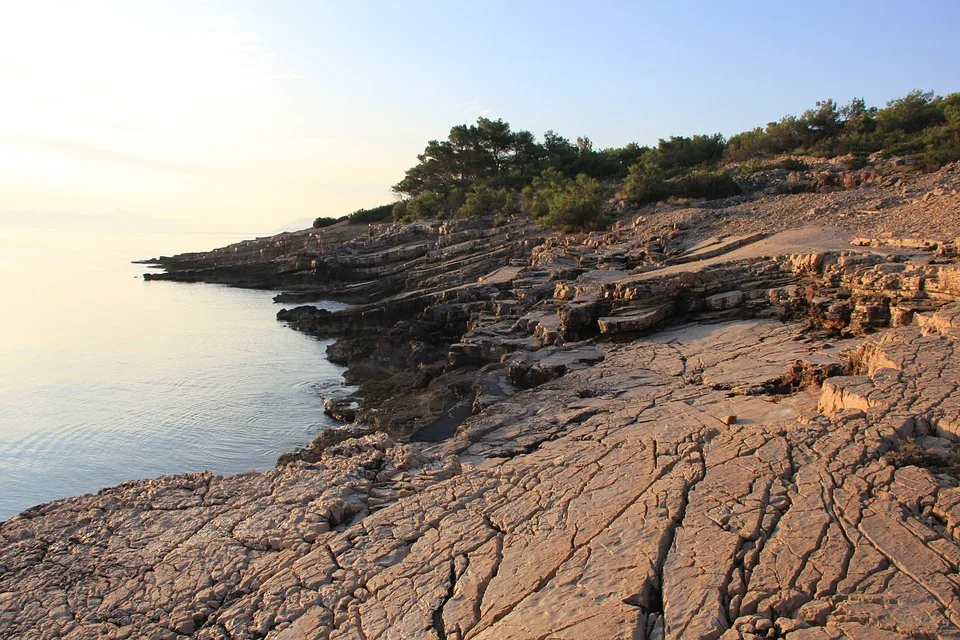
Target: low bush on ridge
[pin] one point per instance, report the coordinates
(645, 183)
(324, 221)
(383, 213)
(566, 204)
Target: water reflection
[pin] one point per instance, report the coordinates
(105, 377)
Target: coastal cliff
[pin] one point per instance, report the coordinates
(731, 418)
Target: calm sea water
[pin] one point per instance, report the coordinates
(106, 378)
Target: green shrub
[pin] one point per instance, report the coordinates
(645, 180)
(483, 200)
(855, 161)
(799, 186)
(941, 144)
(680, 153)
(323, 221)
(427, 205)
(383, 213)
(645, 183)
(566, 204)
(746, 145)
(399, 211)
(749, 167)
(915, 111)
(710, 185)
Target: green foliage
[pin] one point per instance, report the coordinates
(645, 180)
(855, 161)
(672, 158)
(481, 169)
(324, 221)
(678, 153)
(482, 151)
(915, 111)
(748, 167)
(916, 125)
(566, 204)
(482, 200)
(792, 164)
(645, 183)
(425, 205)
(383, 213)
(399, 212)
(746, 145)
(491, 153)
(710, 185)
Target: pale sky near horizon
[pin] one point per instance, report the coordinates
(246, 115)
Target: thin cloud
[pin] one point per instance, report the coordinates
(86, 151)
(226, 34)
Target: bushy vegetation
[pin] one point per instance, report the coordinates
(709, 185)
(483, 200)
(646, 183)
(491, 154)
(383, 213)
(755, 165)
(324, 221)
(488, 169)
(566, 204)
(919, 125)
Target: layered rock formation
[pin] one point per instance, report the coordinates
(703, 424)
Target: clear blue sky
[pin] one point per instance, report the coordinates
(617, 71)
(268, 111)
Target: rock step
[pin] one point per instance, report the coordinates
(469, 246)
(922, 244)
(485, 349)
(435, 268)
(466, 271)
(712, 249)
(394, 254)
(634, 320)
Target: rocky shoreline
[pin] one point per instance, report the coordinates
(732, 419)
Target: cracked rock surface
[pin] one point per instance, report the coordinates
(653, 433)
(632, 511)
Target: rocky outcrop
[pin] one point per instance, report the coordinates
(701, 424)
(358, 263)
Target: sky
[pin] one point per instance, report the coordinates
(245, 115)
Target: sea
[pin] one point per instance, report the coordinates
(105, 377)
